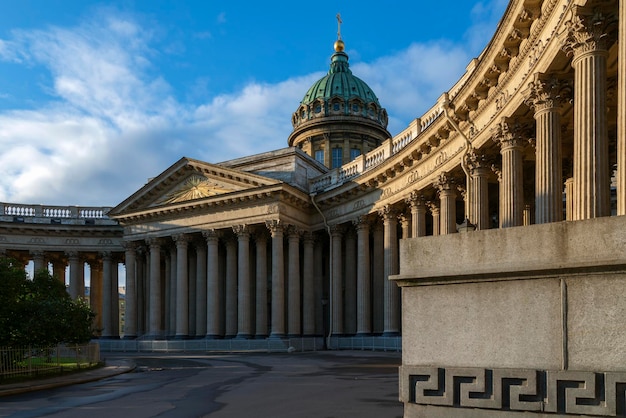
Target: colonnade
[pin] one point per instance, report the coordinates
(103, 294)
(258, 281)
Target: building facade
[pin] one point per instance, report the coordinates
(525, 153)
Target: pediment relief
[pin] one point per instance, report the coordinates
(196, 187)
(189, 180)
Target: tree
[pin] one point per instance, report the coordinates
(39, 312)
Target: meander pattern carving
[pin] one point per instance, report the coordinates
(562, 392)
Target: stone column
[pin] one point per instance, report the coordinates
(182, 286)
(350, 285)
(446, 188)
(479, 191)
(321, 296)
(544, 96)
(621, 111)
(231, 288)
(294, 328)
(569, 199)
(115, 298)
(378, 279)
(391, 291)
(201, 288)
(58, 270)
(39, 261)
(434, 211)
(95, 293)
(155, 329)
(508, 136)
(130, 316)
(107, 319)
(363, 281)
(405, 225)
(261, 285)
(142, 290)
(336, 277)
(214, 310)
(192, 274)
(75, 265)
(585, 39)
(244, 284)
(278, 279)
(308, 285)
(417, 204)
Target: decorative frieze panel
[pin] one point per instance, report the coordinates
(563, 392)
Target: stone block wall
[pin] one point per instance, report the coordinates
(515, 321)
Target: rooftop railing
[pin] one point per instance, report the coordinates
(47, 211)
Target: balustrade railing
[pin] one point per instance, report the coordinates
(379, 155)
(60, 212)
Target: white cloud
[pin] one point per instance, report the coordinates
(112, 123)
(424, 70)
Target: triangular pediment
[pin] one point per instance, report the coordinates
(196, 186)
(190, 181)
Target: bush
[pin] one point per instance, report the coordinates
(39, 312)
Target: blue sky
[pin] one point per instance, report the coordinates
(97, 97)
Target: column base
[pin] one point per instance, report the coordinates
(213, 337)
(181, 337)
(277, 336)
(243, 337)
(260, 337)
(129, 337)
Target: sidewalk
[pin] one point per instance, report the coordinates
(111, 368)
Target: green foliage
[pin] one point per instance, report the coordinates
(39, 312)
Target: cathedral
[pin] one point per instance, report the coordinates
(486, 240)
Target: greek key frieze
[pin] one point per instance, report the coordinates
(562, 392)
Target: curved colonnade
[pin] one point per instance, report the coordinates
(532, 133)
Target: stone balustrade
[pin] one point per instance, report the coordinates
(45, 214)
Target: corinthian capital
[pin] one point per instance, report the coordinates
(241, 230)
(444, 182)
(546, 92)
(275, 226)
(361, 223)
(510, 134)
(588, 30)
(415, 200)
(387, 212)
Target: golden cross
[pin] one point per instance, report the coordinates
(339, 22)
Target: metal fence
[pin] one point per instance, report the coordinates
(41, 361)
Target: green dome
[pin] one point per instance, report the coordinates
(339, 94)
(340, 82)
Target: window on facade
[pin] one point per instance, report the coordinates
(337, 159)
(318, 108)
(319, 156)
(355, 108)
(336, 107)
(354, 152)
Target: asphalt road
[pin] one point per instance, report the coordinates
(321, 385)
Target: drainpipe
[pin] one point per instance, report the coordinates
(468, 145)
(330, 273)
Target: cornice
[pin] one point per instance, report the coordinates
(271, 193)
(56, 230)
